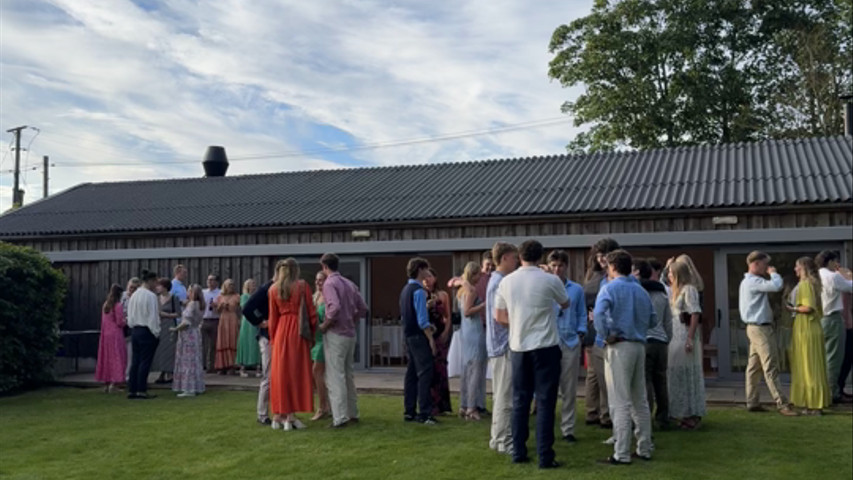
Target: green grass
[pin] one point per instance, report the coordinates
(69, 433)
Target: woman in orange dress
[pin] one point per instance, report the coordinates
(290, 365)
(228, 305)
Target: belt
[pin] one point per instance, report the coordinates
(615, 340)
(759, 324)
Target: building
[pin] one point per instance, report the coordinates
(716, 203)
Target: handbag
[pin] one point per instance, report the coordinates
(304, 323)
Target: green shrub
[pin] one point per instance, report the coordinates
(32, 295)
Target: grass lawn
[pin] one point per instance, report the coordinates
(69, 433)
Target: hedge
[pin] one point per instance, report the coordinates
(32, 295)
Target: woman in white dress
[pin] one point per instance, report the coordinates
(686, 380)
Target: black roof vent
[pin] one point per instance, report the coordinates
(215, 162)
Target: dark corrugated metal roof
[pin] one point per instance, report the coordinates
(775, 172)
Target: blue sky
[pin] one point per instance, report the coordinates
(125, 90)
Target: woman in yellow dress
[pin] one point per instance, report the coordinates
(809, 385)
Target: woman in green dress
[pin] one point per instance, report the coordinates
(809, 385)
(248, 351)
(318, 367)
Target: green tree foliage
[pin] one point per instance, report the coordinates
(32, 295)
(664, 73)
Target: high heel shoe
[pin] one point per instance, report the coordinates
(321, 414)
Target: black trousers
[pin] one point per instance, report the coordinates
(419, 374)
(657, 357)
(847, 363)
(144, 345)
(536, 371)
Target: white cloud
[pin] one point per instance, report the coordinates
(110, 82)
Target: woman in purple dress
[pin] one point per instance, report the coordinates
(439, 316)
(112, 352)
(188, 377)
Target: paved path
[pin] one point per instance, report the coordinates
(390, 381)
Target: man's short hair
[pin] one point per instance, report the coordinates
(656, 264)
(756, 256)
(415, 265)
(558, 256)
(531, 251)
(178, 268)
(644, 267)
(823, 258)
(605, 245)
(487, 255)
(500, 249)
(621, 261)
(331, 261)
(215, 276)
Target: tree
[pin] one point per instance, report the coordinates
(32, 295)
(668, 73)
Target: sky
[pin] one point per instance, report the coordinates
(124, 90)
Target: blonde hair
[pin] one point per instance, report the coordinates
(195, 294)
(812, 274)
(286, 275)
(684, 273)
(246, 285)
(228, 287)
(133, 282)
(319, 293)
(471, 270)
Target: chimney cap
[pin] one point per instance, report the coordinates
(215, 161)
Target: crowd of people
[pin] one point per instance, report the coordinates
(637, 320)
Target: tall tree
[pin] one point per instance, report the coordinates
(663, 73)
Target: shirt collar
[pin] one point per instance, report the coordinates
(412, 280)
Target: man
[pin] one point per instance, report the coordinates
(755, 312)
(657, 342)
(143, 318)
(179, 288)
(623, 314)
(420, 345)
(657, 272)
(571, 325)
(525, 303)
(497, 347)
(210, 322)
(834, 284)
(344, 306)
(257, 311)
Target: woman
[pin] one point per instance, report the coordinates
(473, 380)
(112, 352)
(132, 285)
(228, 306)
(189, 371)
(170, 311)
(290, 365)
(318, 367)
(248, 352)
(809, 385)
(686, 381)
(438, 304)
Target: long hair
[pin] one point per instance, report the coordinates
(319, 293)
(812, 275)
(228, 287)
(195, 294)
(603, 246)
(683, 273)
(286, 275)
(246, 285)
(471, 270)
(113, 297)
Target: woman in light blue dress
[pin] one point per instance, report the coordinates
(474, 357)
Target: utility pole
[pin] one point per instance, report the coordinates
(46, 159)
(17, 194)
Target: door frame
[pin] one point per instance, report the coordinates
(721, 278)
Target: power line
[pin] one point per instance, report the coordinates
(371, 146)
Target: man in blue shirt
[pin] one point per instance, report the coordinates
(505, 256)
(419, 344)
(623, 314)
(571, 326)
(179, 288)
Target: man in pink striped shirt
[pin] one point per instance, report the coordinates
(344, 306)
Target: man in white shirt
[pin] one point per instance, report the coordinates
(834, 284)
(143, 318)
(525, 303)
(755, 312)
(210, 323)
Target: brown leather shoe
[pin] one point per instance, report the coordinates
(788, 411)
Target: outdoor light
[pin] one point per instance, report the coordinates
(727, 220)
(361, 234)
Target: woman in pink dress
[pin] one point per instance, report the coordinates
(228, 306)
(112, 352)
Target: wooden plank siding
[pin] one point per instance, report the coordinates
(829, 217)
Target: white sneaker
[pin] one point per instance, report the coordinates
(186, 394)
(288, 426)
(276, 425)
(298, 425)
(610, 441)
